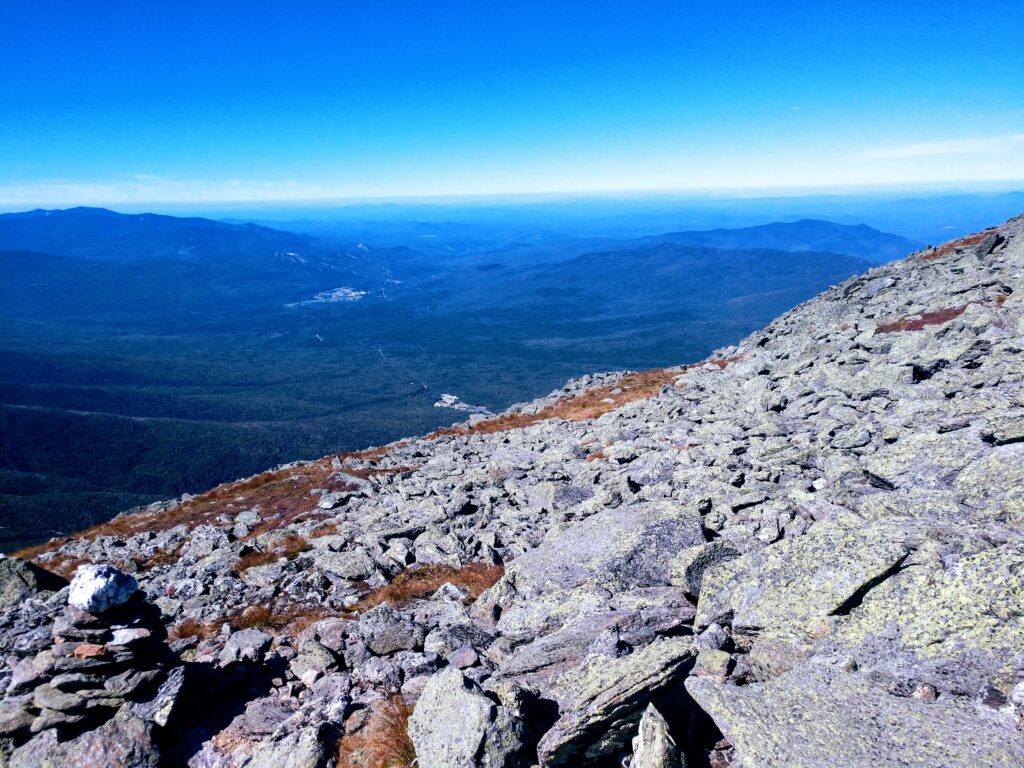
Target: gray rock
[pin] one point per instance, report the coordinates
(312, 656)
(687, 569)
(446, 640)
(245, 645)
(786, 587)
(15, 717)
(20, 580)
(306, 748)
(654, 746)
(572, 572)
(161, 707)
(455, 725)
(124, 741)
(601, 704)
(385, 631)
(816, 716)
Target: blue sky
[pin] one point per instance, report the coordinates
(218, 101)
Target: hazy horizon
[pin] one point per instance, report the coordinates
(391, 101)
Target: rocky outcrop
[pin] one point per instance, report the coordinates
(805, 551)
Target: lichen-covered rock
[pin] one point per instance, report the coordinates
(574, 570)
(455, 725)
(959, 627)
(816, 716)
(307, 748)
(601, 703)
(386, 631)
(20, 579)
(654, 746)
(786, 588)
(245, 645)
(124, 741)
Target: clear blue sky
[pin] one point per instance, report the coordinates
(200, 101)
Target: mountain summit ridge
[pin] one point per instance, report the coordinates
(804, 551)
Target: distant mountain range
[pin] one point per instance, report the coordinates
(143, 356)
(806, 235)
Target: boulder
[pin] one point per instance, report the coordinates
(818, 716)
(687, 569)
(573, 571)
(20, 579)
(783, 589)
(654, 746)
(446, 640)
(98, 588)
(385, 631)
(124, 741)
(246, 645)
(600, 704)
(305, 748)
(959, 628)
(352, 565)
(456, 725)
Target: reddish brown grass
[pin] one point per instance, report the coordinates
(383, 742)
(286, 619)
(61, 564)
(589, 404)
(283, 497)
(325, 529)
(925, 319)
(595, 456)
(281, 619)
(948, 248)
(191, 628)
(289, 547)
(422, 582)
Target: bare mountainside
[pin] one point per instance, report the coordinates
(804, 552)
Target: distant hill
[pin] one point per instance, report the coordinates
(98, 233)
(88, 260)
(807, 235)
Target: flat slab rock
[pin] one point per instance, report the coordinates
(574, 570)
(601, 702)
(819, 717)
(124, 741)
(786, 586)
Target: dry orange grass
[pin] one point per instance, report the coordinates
(287, 619)
(422, 582)
(62, 565)
(282, 495)
(289, 547)
(325, 529)
(190, 628)
(589, 404)
(925, 319)
(383, 742)
(952, 245)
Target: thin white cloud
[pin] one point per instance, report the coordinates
(964, 146)
(156, 189)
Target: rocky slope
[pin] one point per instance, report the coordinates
(805, 552)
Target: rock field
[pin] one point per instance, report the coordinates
(805, 552)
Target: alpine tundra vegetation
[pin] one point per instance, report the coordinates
(806, 551)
